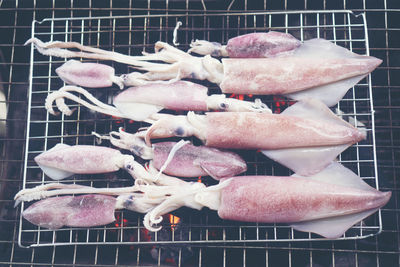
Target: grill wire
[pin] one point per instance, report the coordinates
(134, 33)
(381, 250)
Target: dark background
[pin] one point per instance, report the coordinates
(384, 39)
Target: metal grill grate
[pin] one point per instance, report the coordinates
(131, 35)
(379, 250)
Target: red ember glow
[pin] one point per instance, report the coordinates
(173, 220)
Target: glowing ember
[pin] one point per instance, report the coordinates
(173, 220)
(281, 102)
(120, 222)
(240, 97)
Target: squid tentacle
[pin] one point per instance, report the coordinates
(60, 49)
(183, 198)
(132, 142)
(58, 97)
(36, 193)
(203, 47)
(177, 63)
(171, 155)
(194, 195)
(54, 189)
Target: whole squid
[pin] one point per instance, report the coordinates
(96, 75)
(316, 68)
(306, 137)
(327, 203)
(187, 161)
(76, 211)
(251, 45)
(142, 102)
(92, 75)
(64, 160)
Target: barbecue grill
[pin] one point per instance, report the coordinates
(189, 238)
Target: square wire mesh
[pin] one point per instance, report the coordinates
(134, 34)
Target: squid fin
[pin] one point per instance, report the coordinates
(335, 227)
(54, 173)
(317, 48)
(137, 111)
(316, 110)
(218, 170)
(331, 93)
(309, 160)
(58, 146)
(337, 174)
(306, 161)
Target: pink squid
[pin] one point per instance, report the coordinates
(306, 137)
(64, 160)
(187, 161)
(78, 211)
(317, 68)
(142, 102)
(327, 203)
(92, 75)
(252, 45)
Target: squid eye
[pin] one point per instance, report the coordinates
(179, 131)
(129, 166)
(223, 106)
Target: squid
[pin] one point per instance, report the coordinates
(306, 137)
(180, 159)
(78, 211)
(316, 68)
(187, 161)
(327, 203)
(142, 102)
(63, 160)
(252, 45)
(92, 75)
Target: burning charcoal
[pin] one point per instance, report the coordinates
(171, 253)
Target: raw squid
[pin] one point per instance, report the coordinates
(64, 160)
(85, 210)
(187, 161)
(317, 68)
(142, 102)
(252, 45)
(327, 203)
(306, 137)
(92, 75)
(78, 211)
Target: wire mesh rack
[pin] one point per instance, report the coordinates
(133, 34)
(376, 250)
